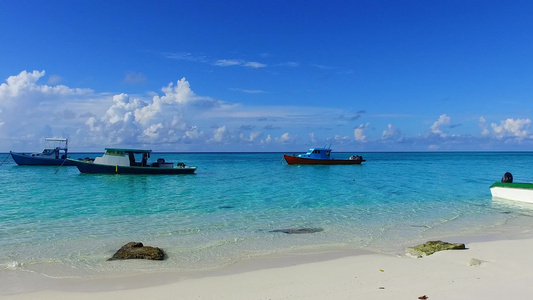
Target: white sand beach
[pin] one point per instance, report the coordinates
(496, 269)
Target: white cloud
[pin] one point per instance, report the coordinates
(255, 65)
(54, 79)
(25, 83)
(193, 133)
(285, 138)
(483, 126)
(186, 56)
(436, 127)
(342, 139)
(134, 78)
(227, 62)
(390, 133)
(175, 118)
(291, 64)
(163, 119)
(252, 137)
(248, 91)
(235, 62)
(312, 137)
(220, 134)
(268, 140)
(215, 62)
(122, 108)
(518, 128)
(176, 115)
(28, 108)
(359, 132)
(152, 131)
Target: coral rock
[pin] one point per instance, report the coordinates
(432, 247)
(135, 250)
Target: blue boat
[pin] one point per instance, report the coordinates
(321, 156)
(52, 156)
(123, 161)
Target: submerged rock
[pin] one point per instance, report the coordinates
(135, 250)
(298, 230)
(434, 246)
(226, 207)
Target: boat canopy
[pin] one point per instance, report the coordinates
(134, 151)
(56, 140)
(56, 148)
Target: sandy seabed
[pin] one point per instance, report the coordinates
(487, 269)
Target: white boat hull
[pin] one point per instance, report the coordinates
(512, 193)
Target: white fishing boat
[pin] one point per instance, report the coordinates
(123, 161)
(509, 190)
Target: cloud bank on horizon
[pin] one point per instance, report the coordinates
(178, 119)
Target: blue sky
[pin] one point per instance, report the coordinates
(267, 75)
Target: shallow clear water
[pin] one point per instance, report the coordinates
(60, 223)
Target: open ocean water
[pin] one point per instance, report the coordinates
(59, 223)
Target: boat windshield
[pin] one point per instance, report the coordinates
(319, 151)
(114, 152)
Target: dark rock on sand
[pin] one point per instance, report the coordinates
(135, 250)
(298, 230)
(433, 246)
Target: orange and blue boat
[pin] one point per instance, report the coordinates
(321, 156)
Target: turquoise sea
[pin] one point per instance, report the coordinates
(59, 223)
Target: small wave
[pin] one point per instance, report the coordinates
(13, 265)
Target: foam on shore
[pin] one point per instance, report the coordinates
(489, 268)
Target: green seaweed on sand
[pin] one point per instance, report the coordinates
(431, 247)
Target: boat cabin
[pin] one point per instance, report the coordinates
(54, 152)
(317, 153)
(124, 157)
(48, 153)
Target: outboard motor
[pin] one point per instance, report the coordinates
(507, 177)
